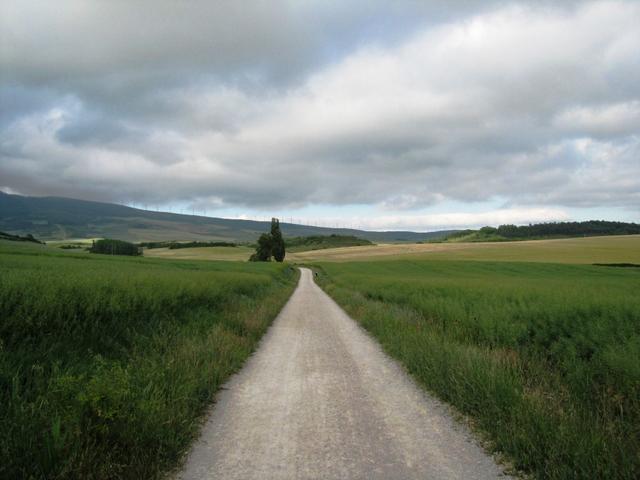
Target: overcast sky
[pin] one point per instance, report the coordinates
(383, 115)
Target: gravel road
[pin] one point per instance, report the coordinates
(321, 400)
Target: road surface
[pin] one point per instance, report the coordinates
(321, 400)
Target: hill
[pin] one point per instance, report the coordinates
(57, 218)
(320, 242)
(541, 231)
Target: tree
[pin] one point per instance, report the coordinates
(270, 245)
(263, 250)
(277, 242)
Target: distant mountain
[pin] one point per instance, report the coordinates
(56, 218)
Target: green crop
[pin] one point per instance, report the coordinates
(545, 358)
(107, 363)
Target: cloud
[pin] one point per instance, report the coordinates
(284, 106)
(466, 220)
(606, 120)
(444, 221)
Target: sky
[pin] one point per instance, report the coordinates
(406, 115)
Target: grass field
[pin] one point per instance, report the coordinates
(242, 253)
(544, 358)
(79, 242)
(107, 363)
(320, 242)
(611, 249)
(239, 253)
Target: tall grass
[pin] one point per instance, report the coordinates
(107, 364)
(545, 358)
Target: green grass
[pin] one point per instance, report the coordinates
(321, 242)
(239, 253)
(108, 363)
(544, 358)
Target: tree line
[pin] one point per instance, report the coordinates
(573, 229)
(17, 238)
(109, 246)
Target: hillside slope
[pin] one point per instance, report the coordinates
(54, 218)
(549, 230)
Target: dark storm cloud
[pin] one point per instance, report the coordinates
(285, 104)
(94, 128)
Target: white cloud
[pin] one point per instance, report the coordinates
(535, 104)
(606, 120)
(459, 220)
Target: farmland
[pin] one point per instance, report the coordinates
(107, 363)
(610, 249)
(543, 358)
(619, 249)
(321, 242)
(239, 253)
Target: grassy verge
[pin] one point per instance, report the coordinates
(545, 358)
(107, 364)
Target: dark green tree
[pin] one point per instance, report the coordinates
(109, 246)
(263, 250)
(270, 245)
(277, 242)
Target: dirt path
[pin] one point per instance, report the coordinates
(320, 400)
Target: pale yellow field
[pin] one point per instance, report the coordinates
(611, 249)
(84, 242)
(201, 253)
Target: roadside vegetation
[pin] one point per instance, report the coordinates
(107, 363)
(320, 242)
(543, 358)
